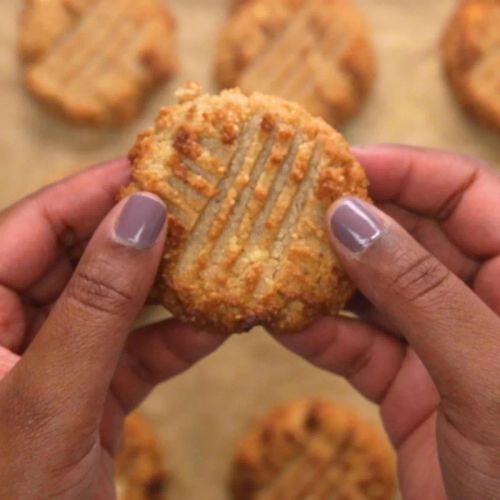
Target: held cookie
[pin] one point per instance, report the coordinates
(471, 58)
(140, 473)
(315, 52)
(247, 182)
(95, 60)
(312, 449)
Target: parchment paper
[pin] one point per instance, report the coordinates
(200, 414)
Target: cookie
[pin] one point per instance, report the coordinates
(237, 3)
(139, 466)
(94, 61)
(315, 52)
(312, 449)
(247, 182)
(471, 59)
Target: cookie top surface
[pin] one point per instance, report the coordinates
(139, 466)
(95, 60)
(315, 52)
(312, 449)
(247, 182)
(471, 57)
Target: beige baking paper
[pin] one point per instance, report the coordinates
(201, 413)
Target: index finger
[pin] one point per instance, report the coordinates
(36, 230)
(7, 361)
(463, 194)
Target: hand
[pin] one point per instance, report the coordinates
(437, 380)
(71, 371)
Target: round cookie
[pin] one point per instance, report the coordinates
(312, 449)
(247, 182)
(238, 3)
(471, 58)
(315, 52)
(94, 61)
(140, 473)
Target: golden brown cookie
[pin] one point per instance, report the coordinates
(238, 3)
(95, 60)
(471, 58)
(139, 465)
(315, 52)
(312, 449)
(247, 181)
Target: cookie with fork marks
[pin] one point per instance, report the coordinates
(471, 59)
(94, 61)
(247, 182)
(315, 52)
(140, 472)
(312, 449)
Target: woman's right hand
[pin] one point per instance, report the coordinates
(427, 349)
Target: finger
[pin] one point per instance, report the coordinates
(460, 192)
(486, 283)
(57, 276)
(376, 364)
(429, 234)
(7, 361)
(363, 309)
(157, 353)
(71, 361)
(12, 319)
(363, 354)
(35, 319)
(422, 474)
(54, 281)
(37, 230)
(111, 427)
(47, 290)
(435, 311)
(411, 398)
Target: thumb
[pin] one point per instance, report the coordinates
(454, 333)
(70, 363)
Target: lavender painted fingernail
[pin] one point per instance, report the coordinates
(355, 224)
(140, 222)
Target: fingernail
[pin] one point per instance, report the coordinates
(140, 222)
(355, 225)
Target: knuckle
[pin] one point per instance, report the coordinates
(418, 276)
(95, 287)
(360, 361)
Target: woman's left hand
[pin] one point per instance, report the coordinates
(69, 369)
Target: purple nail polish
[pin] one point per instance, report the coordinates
(140, 222)
(355, 225)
